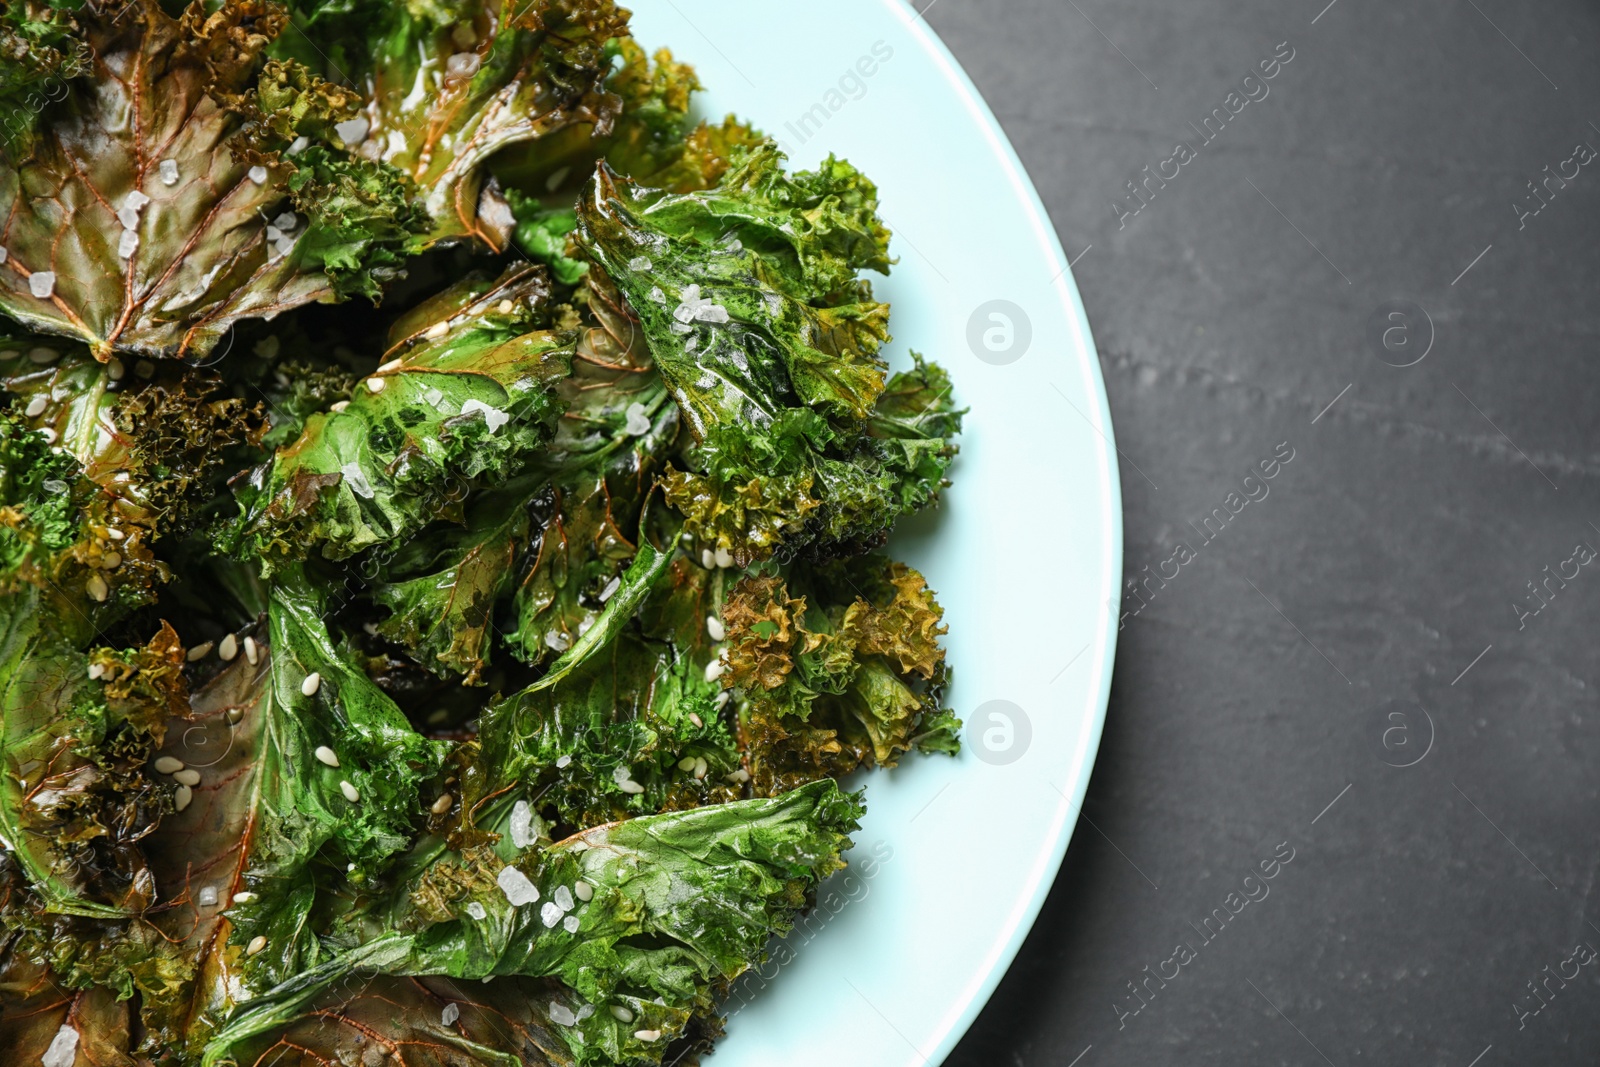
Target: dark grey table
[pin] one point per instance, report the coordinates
(1384, 667)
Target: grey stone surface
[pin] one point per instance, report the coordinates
(1262, 683)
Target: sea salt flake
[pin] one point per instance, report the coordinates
(638, 421)
(493, 416)
(42, 283)
(640, 263)
(561, 1015)
(515, 885)
(127, 244)
(451, 1013)
(356, 479)
(711, 313)
(657, 295)
(129, 217)
(63, 1050)
(522, 834)
(135, 200)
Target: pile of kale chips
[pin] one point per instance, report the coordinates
(440, 483)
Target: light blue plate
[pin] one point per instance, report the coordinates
(1025, 550)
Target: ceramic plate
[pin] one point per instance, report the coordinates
(955, 855)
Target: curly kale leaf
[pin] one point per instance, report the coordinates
(463, 395)
(748, 299)
(148, 214)
(839, 666)
(452, 84)
(654, 915)
(77, 729)
(39, 57)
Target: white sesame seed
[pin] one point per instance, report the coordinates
(443, 804)
(699, 723)
(199, 652)
(622, 1013)
(707, 558)
(393, 364)
(208, 896)
(338, 405)
(168, 765)
(97, 589)
(110, 561)
(436, 331)
(251, 651)
(647, 1035)
(228, 648)
(188, 776)
(351, 793)
(686, 763)
(714, 629)
(49, 435)
(36, 406)
(115, 369)
(611, 589)
(724, 558)
(451, 1013)
(739, 776)
(562, 761)
(181, 797)
(96, 670)
(243, 897)
(631, 787)
(326, 755)
(235, 714)
(257, 943)
(722, 700)
(701, 767)
(311, 684)
(583, 891)
(714, 670)
(505, 307)
(375, 385)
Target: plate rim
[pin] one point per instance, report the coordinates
(964, 1011)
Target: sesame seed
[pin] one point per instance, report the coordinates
(739, 776)
(375, 385)
(686, 763)
(562, 1015)
(562, 761)
(647, 1035)
(505, 307)
(699, 723)
(114, 533)
(443, 804)
(168, 765)
(188, 776)
(714, 670)
(393, 364)
(49, 435)
(110, 561)
(312, 683)
(631, 787)
(96, 670)
(436, 331)
(707, 558)
(115, 369)
(351, 793)
(243, 897)
(181, 797)
(228, 648)
(701, 767)
(722, 699)
(338, 405)
(96, 588)
(145, 369)
(36, 406)
(251, 651)
(714, 629)
(326, 755)
(611, 589)
(235, 714)
(583, 891)
(622, 1013)
(724, 558)
(257, 943)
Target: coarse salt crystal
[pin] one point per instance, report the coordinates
(63, 1050)
(570, 924)
(168, 171)
(42, 283)
(550, 914)
(477, 911)
(639, 263)
(494, 417)
(258, 174)
(127, 244)
(352, 131)
(451, 1013)
(563, 898)
(522, 834)
(605, 594)
(356, 479)
(638, 421)
(557, 176)
(3, 253)
(657, 295)
(556, 640)
(516, 886)
(299, 145)
(128, 216)
(561, 1015)
(208, 896)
